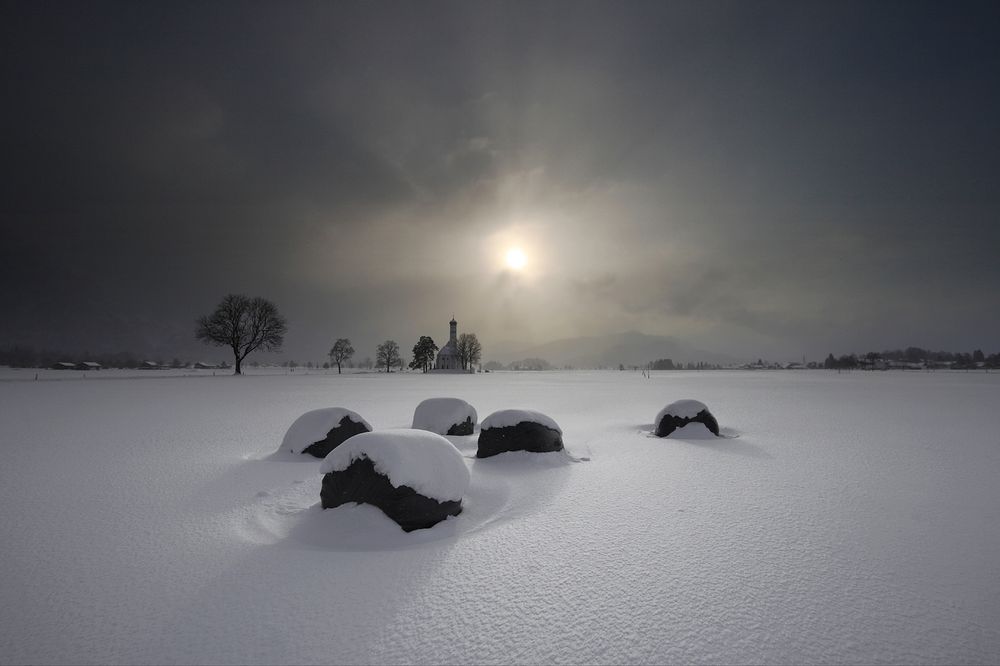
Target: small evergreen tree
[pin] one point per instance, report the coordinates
(423, 353)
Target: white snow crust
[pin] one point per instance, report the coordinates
(685, 409)
(422, 460)
(840, 522)
(439, 414)
(511, 417)
(314, 426)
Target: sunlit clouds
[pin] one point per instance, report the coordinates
(515, 259)
(766, 179)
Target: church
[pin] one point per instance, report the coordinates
(447, 358)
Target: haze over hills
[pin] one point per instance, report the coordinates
(628, 348)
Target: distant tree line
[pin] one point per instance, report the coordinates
(914, 356)
(668, 364)
(536, 364)
(26, 356)
(845, 362)
(247, 324)
(389, 356)
(542, 364)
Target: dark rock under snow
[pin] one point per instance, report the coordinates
(322, 430)
(416, 478)
(445, 416)
(518, 430)
(681, 413)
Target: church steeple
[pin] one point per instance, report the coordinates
(447, 358)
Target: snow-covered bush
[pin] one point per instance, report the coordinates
(320, 431)
(680, 414)
(518, 430)
(445, 416)
(415, 477)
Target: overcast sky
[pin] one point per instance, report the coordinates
(761, 179)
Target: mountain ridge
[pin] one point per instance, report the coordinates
(626, 348)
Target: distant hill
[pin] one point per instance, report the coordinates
(629, 348)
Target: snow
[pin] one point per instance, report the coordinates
(314, 426)
(511, 417)
(439, 414)
(422, 460)
(685, 409)
(840, 521)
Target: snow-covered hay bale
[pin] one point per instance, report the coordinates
(683, 412)
(518, 430)
(415, 477)
(445, 416)
(322, 430)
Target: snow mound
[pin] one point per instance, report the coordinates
(683, 415)
(445, 416)
(315, 426)
(685, 409)
(506, 418)
(422, 460)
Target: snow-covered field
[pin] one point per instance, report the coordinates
(846, 518)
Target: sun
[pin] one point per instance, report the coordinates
(516, 259)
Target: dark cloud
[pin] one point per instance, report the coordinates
(769, 176)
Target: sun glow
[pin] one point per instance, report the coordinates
(516, 259)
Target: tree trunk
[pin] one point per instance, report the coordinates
(239, 361)
(338, 367)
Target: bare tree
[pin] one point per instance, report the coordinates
(469, 350)
(342, 350)
(462, 347)
(387, 354)
(475, 351)
(244, 325)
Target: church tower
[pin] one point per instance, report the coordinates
(447, 358)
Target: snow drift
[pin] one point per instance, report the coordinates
(848, 523)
